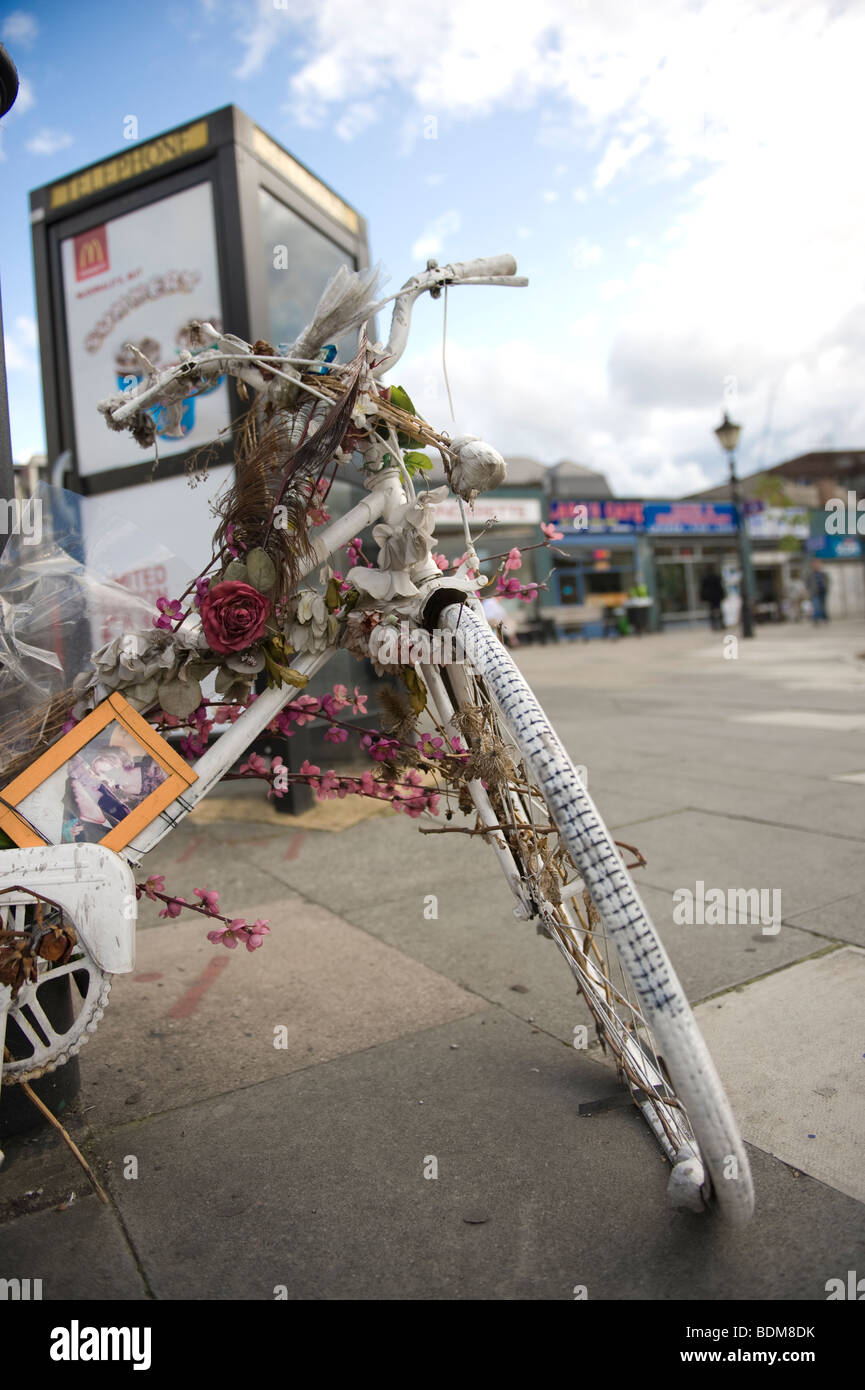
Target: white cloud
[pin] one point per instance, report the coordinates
(355, 119)
(20, 345)
(617, 156)
(19, 28)
(48, 141)
(25, 98)
(756, 104)
(503, 393)
(432, 238)
(549, 195)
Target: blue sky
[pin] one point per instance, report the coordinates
(682, 183)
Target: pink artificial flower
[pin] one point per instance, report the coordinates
(550, 531)
(514, 560)
(358, 703)
(256, 764)
(224, 937)
(256, 934)
(174, 907)
(431, 747)
(169, 609)
(202, 586)
(302, 710)
(508, 588)
(229, 541)
(336, 735)
(441, 561)
(209, 900)
(310, 772)
(155, 884)
(328, 787)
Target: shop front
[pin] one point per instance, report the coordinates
(628, 555)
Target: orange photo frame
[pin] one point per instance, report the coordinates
(83, 798)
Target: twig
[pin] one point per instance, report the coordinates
(632, 849)
(483, 830)
(40, 1105)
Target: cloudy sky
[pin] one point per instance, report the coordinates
(682, 182)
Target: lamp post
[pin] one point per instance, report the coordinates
(728, 437)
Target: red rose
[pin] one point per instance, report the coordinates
(233, 616)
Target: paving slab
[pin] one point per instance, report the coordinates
(725, 852)
(315, 1183)
(791, 1049)
(79, 1254)
(843, 919)
(194, 1020)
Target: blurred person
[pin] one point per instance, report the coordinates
(797, 597)
(498, 616)
(713, 593)
(819, 593)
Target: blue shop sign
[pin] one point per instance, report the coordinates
(644, 518)
(834, 547)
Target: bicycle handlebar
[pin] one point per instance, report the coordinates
(483, 266)
(230, 353)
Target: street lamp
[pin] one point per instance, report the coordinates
(728, 437)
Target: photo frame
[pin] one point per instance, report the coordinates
(102, 782)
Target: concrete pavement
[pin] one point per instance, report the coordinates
(411, 1045)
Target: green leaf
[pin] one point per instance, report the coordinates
(235, 572)
(401, 399)
(415, 687)
(277, 674)
(262, 570)
(332, 596)
(416, 462)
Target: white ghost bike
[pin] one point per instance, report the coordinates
(562, 865)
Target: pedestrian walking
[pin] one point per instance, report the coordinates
(819, 593)
(712, 593)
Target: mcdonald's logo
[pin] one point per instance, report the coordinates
(91, 253)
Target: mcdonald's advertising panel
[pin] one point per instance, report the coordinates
(140, 279)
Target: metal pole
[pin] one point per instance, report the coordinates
(8, 92)
(744, 554)
(7, 471)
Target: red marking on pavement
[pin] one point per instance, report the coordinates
(147, 979)
(189, 1002)
(295, 841)
(192, 848)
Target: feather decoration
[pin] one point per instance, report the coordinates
(349, 299)
(279, 460)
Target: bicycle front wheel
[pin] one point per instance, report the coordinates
(564, 866)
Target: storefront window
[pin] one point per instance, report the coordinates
(672, 587)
